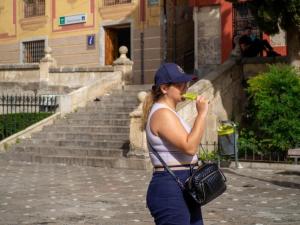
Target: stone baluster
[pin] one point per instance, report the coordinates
(124, 64)
(45, 63)
(137, 136)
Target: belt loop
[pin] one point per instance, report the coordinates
(191, 169)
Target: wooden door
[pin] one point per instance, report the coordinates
(111, 46)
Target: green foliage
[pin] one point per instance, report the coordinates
(270, 14)
(206, 155)
(273, 122)
(248, 142)
(13, 123)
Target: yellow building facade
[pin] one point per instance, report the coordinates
(89, 32)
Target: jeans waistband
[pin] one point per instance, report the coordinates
(177, 167)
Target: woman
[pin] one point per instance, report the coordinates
(176, 143)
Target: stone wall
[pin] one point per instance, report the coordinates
(75, 77)
(152, 53)
(23, 73)
(12, 53)
(69, 51)
(223, 87)
(24, 78)
(208, 42)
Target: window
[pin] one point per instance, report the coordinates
(34, 8)
(115, 2)
(34, 51)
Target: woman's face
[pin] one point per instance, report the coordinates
(175, 91)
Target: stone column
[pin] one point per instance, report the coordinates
(137, 136)
(45, 63)
(124, 64)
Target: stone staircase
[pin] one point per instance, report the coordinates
(96, 135)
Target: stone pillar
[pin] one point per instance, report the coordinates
(207, 38)
(124, 64)
(45, 63)
(137, 136)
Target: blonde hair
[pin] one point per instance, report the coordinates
(150, 99)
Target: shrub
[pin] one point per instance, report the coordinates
(13, 123)
(273, 114)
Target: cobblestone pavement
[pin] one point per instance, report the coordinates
(70, 195)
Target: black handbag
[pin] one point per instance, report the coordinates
(205, 184)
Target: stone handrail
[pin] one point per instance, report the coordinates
(80, 97)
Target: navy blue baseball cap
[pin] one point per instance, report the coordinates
(171, 73)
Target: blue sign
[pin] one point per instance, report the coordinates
(91, 41)
(153, 2)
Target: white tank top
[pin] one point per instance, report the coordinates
(169, 153)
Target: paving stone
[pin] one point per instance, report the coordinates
(32, 193)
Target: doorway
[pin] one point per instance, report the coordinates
(115, 37)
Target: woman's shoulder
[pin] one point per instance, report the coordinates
(163, 116)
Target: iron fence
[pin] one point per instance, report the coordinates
(251, 154)
(262, 156)
(19, 112)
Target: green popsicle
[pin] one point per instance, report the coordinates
(190, 95)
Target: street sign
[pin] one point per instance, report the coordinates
(90, 41)
(66, 20)
(153, 2)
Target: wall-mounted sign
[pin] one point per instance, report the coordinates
(66, 20)
(153, 2)
(90, 41)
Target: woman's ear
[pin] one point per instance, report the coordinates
(164, 88)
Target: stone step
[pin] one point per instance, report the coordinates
(88, 129)
(115, 144)
(99, 108)
(138, 87)
(107, 103)
(98, 115)
(74, 151)
(79, 136)
(76, 122)
(117, 100)
(109, 162)
(96, 135)
(124, 95)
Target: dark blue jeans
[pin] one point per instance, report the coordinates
(168, 204)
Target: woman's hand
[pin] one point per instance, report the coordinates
(202, 105)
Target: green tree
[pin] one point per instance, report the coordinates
(272, 14)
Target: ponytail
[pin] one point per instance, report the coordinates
(150, 99)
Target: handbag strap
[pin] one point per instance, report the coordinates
(167, 167)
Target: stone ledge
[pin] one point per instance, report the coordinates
(29, 66)
(266, 165)
(81, 69)
(262, 60)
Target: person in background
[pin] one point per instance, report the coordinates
(176, 143)
(252, 46)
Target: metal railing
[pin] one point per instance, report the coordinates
(115, 2)
(260, 156)
(19, 112)
(249, 155)
(34, 8)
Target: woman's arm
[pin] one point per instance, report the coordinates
(165, 124)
